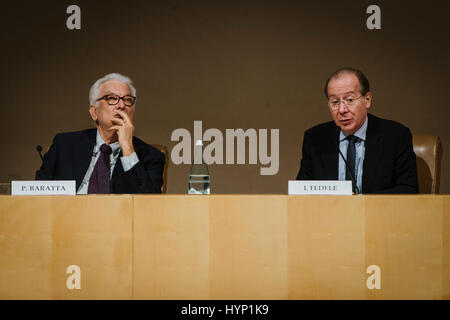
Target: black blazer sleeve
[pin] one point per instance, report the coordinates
(146, 176)
(306, 166)
(405, 167)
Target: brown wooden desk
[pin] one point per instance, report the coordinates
(225, 246)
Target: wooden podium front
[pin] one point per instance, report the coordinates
(225, 247)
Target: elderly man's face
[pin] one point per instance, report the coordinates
(346, 87)
(103, 113)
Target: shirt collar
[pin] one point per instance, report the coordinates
(361, 133)
(114, 146)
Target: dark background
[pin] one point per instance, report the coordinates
(232, 64)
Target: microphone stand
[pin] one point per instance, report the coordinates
(352, 175)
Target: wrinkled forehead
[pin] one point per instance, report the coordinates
(114, 86)
(343, 83)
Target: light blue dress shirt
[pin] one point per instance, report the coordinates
(127, 162)
(360, 152)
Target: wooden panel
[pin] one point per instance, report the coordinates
(171, 247)
(446, 250)
(25, 247)
(225, 246)
(326, 247)
(248, 247)
(95, 233)
(404, 238)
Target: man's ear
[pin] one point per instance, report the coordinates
(93, 112)
(368, 98)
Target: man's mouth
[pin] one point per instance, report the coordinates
(346, 121)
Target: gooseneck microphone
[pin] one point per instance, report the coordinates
(39, 150)
(352, 174)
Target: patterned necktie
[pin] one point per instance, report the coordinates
(99, 181)
(351, 156)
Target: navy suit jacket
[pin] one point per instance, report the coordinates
(70, 155)
(389, 161)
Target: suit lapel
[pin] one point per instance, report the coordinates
(373, 153)
(83, 154)
(118, 170)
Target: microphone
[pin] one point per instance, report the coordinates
(352, 175)
(39, 150)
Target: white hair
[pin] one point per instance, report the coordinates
(93, 92)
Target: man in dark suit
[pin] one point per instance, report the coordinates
(108, 159)
(378, 152)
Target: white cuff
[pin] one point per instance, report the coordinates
(129, 162)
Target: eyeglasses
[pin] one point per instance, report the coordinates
(113, 99)
(335, 103)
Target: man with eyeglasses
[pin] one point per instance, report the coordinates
(108, 159)
(375, 154)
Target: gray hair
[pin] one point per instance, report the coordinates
(93, 92)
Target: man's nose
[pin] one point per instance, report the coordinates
(120, 105)
(342, 107)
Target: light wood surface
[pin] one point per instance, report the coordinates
(225, 246)
(326, 248)
(171, 247)
(248, 238)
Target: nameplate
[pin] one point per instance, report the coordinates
(324, 187)
(43, 188)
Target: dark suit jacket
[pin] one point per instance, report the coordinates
(389, 162)
(70, 155)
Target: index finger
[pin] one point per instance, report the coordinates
(124, 116)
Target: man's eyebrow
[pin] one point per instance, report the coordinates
(348, 92)
(110, 92)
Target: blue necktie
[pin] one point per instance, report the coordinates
(351, 157)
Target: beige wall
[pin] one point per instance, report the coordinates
(232, 64)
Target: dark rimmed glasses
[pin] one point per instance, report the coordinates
(113, 99)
